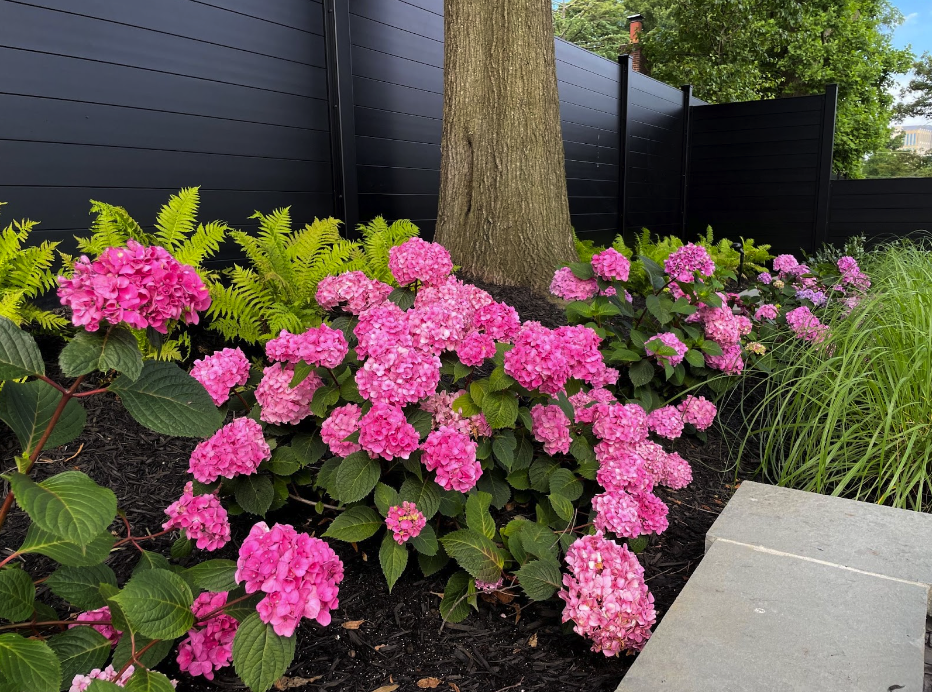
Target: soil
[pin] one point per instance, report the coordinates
(401, 642)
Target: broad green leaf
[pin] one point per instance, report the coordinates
(639, 544)
(80, 586)
(695, 358)
(499, 381)
(460, 371)
(310, 448)
(385, 497)
(711, 347)
(451, 503)
(393, 558)
(524, 455)
(623, 355)
(402, 297)
(421, 420)
(478, 390)
(475, 553)
(519, 480)
(355, 478)
(17, 594)
(80, 650)
(503, 446)
(29, 664)
(144, 680)
(540, 579)
(113, 349)
(582, 270)
(540, 473)
(150, 560)
(641, 373)
(426, 541)
(28, 409)
(494, 483)
(154, 655)
(477, 514)
(260, 657)
(301, 372)
(465, 406)
(68, 504)
(242, 610)
(354, 525)
(254, 493)
(431, 564)
(118, 619)
(659, 307)
(538, 539)
(65, 552)
(564, 482)
(561, 505)
(166, 399)
(500, 409)
(455, 604)
(324, 398)
(157, 603)
(103, 686)
(581, 449)
(654, 272)
(425, 494)
(214, 575)
(683, 307)
(181, 548)
(19, 353)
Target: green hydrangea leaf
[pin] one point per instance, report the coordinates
(354, 525)
(80, 586)
(157, 603)
(19, 353)
(260, 657)
(540, 579)
(113, 349)
(393, 558)
(64, 551)
(29, 664)
(69, 504)
(17, 594)
(28, 407)
(79, 650)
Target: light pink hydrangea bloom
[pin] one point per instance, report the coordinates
(617, 513)
(452, 454)
(666, 422)
(698, 411)
(583, 412)
(80, 683)
(785, 263)
(552, 427)
(765, 278)
(669, 339)
(730, 362)
(357, 290)
(380, 329)
(538, 359)
(405, 521)
(686, 261)
(108, 631)
(236, 449)
(440, 405)
(342, 422)
(611, 265)
(851, 274)
(436, 327)
(475, 349)
(623, 468)
(385, 432)
(319, 346)
(281, 403)
(418, 260)
(567, 286)
(676, 472)
(399, 375)
(298, 574)
(620, 423)
(498, 320)
(137, 285)
(209, 646)
(766, 311)
(806, 325)
(220, 372)
(201, 517)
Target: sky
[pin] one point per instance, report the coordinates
(916, 31)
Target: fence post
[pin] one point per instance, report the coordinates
(342, 117)
(624, 62)
(824, 182)
(684, 180)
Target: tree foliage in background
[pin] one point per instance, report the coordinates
(892, 162)
(917, 95)
(600, 26)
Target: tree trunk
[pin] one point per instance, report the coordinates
(504, 214)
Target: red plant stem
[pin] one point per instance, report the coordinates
(209, 615)
(248, 407)
(135, 657)
(133, 539)
(102, 390)
(53, 383)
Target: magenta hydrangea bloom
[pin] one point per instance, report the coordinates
(766, 311)
(653, 513)
(80, 683)
(418, 260)
(538, 359)
(111, 633)
(676, 472)
(722, 325)
(852, 275)
(436, 327)
(355, 289)
(452, 454)
(623, 468)
(785, 263)
(805, 325)
(617, 513)
(685, 262)
(475, 349)
(220, 372)
(398, 375)
(668, 339)
(606, 597)
(583, 411)
(342, 422)
(611, 265)
(236, 449)
(281, 403)
(201, 518)
(698, 411)
(730, 362)
(440, 405)
(319, 346)
(380, 329)
(666, 422)
(298, 574)
(580, 346)
(137, 285)
(499, 321)
(552, 427)
(568, 286)
(385, 432)
(209, 646)
(620, 423)
(405, 521)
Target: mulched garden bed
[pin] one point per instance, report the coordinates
(401, 640)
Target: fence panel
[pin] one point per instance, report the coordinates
(881, 209)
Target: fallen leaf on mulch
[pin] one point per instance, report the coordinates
(453, 686)
(386, 688)
(425, 683)
(352, 624)
(532, 642)
(292, 683)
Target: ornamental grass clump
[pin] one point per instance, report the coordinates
(850, 412)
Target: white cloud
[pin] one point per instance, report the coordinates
(911, 18)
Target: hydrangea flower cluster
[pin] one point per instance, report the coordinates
(452, 454)
(685, 262)
(568, 286)
(805, 325)
(355, 289)
(281, 403)
(611, 265)
(236, 449)
(298, 574)
(385, 432)
(666, 422)
(583, 403)
(201, 517)
(208, 647)
(220, 372)
(784, 264)
(766, 311)
(499, 321)
(815, 297)
(109, 631)
(137, 285)
(765, 278)
(342, 422)
(698, 411)
(606, 597)
(418, 260)
(489, 586)
(475, 349)
(552, 427)
(852, 275)
(669, 339)
(440, 405)
(405, 521)
(319, 346)
(538, 360)
(398, 375)
(580, 346)
(80, 683)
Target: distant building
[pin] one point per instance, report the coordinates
(916, 138)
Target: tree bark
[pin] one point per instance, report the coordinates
(503, 214)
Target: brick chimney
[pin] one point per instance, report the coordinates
(635, 22)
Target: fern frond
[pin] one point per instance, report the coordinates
(111, 227)
(177, 218)
(378, 239)
(203, 244)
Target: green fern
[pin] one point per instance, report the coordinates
(378, 238)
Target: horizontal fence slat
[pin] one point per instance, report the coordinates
(594, 222)
(570, 93)
(371, 151)
(367, 33)
(593, 205)
(401, 15)
(591, 188)
(397, 206)
(585, 60)
(371, 93)
(573, 74)
(590, 135)
(304, 14)
(591, 171)
(394, 70)
(371, 122)
(380, 179)
(744, 109)
(647, 85)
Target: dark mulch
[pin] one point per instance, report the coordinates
(504, 646)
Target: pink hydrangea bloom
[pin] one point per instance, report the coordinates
(236, 449)
(440, 405)
(405, 521)
(489, 586)
(806, 325)
(319, 346)
(765, 278)
(281, 403)
(668, 339)
(400, 375)
(676, 472)
(684, 262)
(298, 574)
(566, 285)
(452, 454)
(698, 411)
(606, 597)
(342, 422)
(721, 325)
(418, 260)
(611, 265)
(436, 327)
(617, 513)
(201, 517)
(80, 683)
(785, 263)
(108, 631)
(653, 513)
(852, 274)
(455, 295)
(766, 312)
(620, 423)
(582, 411)
(140, 286)
(730, 362)
(623, 468)
(475, 349)
(380, 329)
(384, 432)
(552, 427)
(220, 372)
(666, 422)
(208, 647)
(499, 321)
(538, 359)
(580, 347)
(357, 290)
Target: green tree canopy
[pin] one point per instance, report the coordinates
(600, 26)
(893, 162)
(917, 96)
